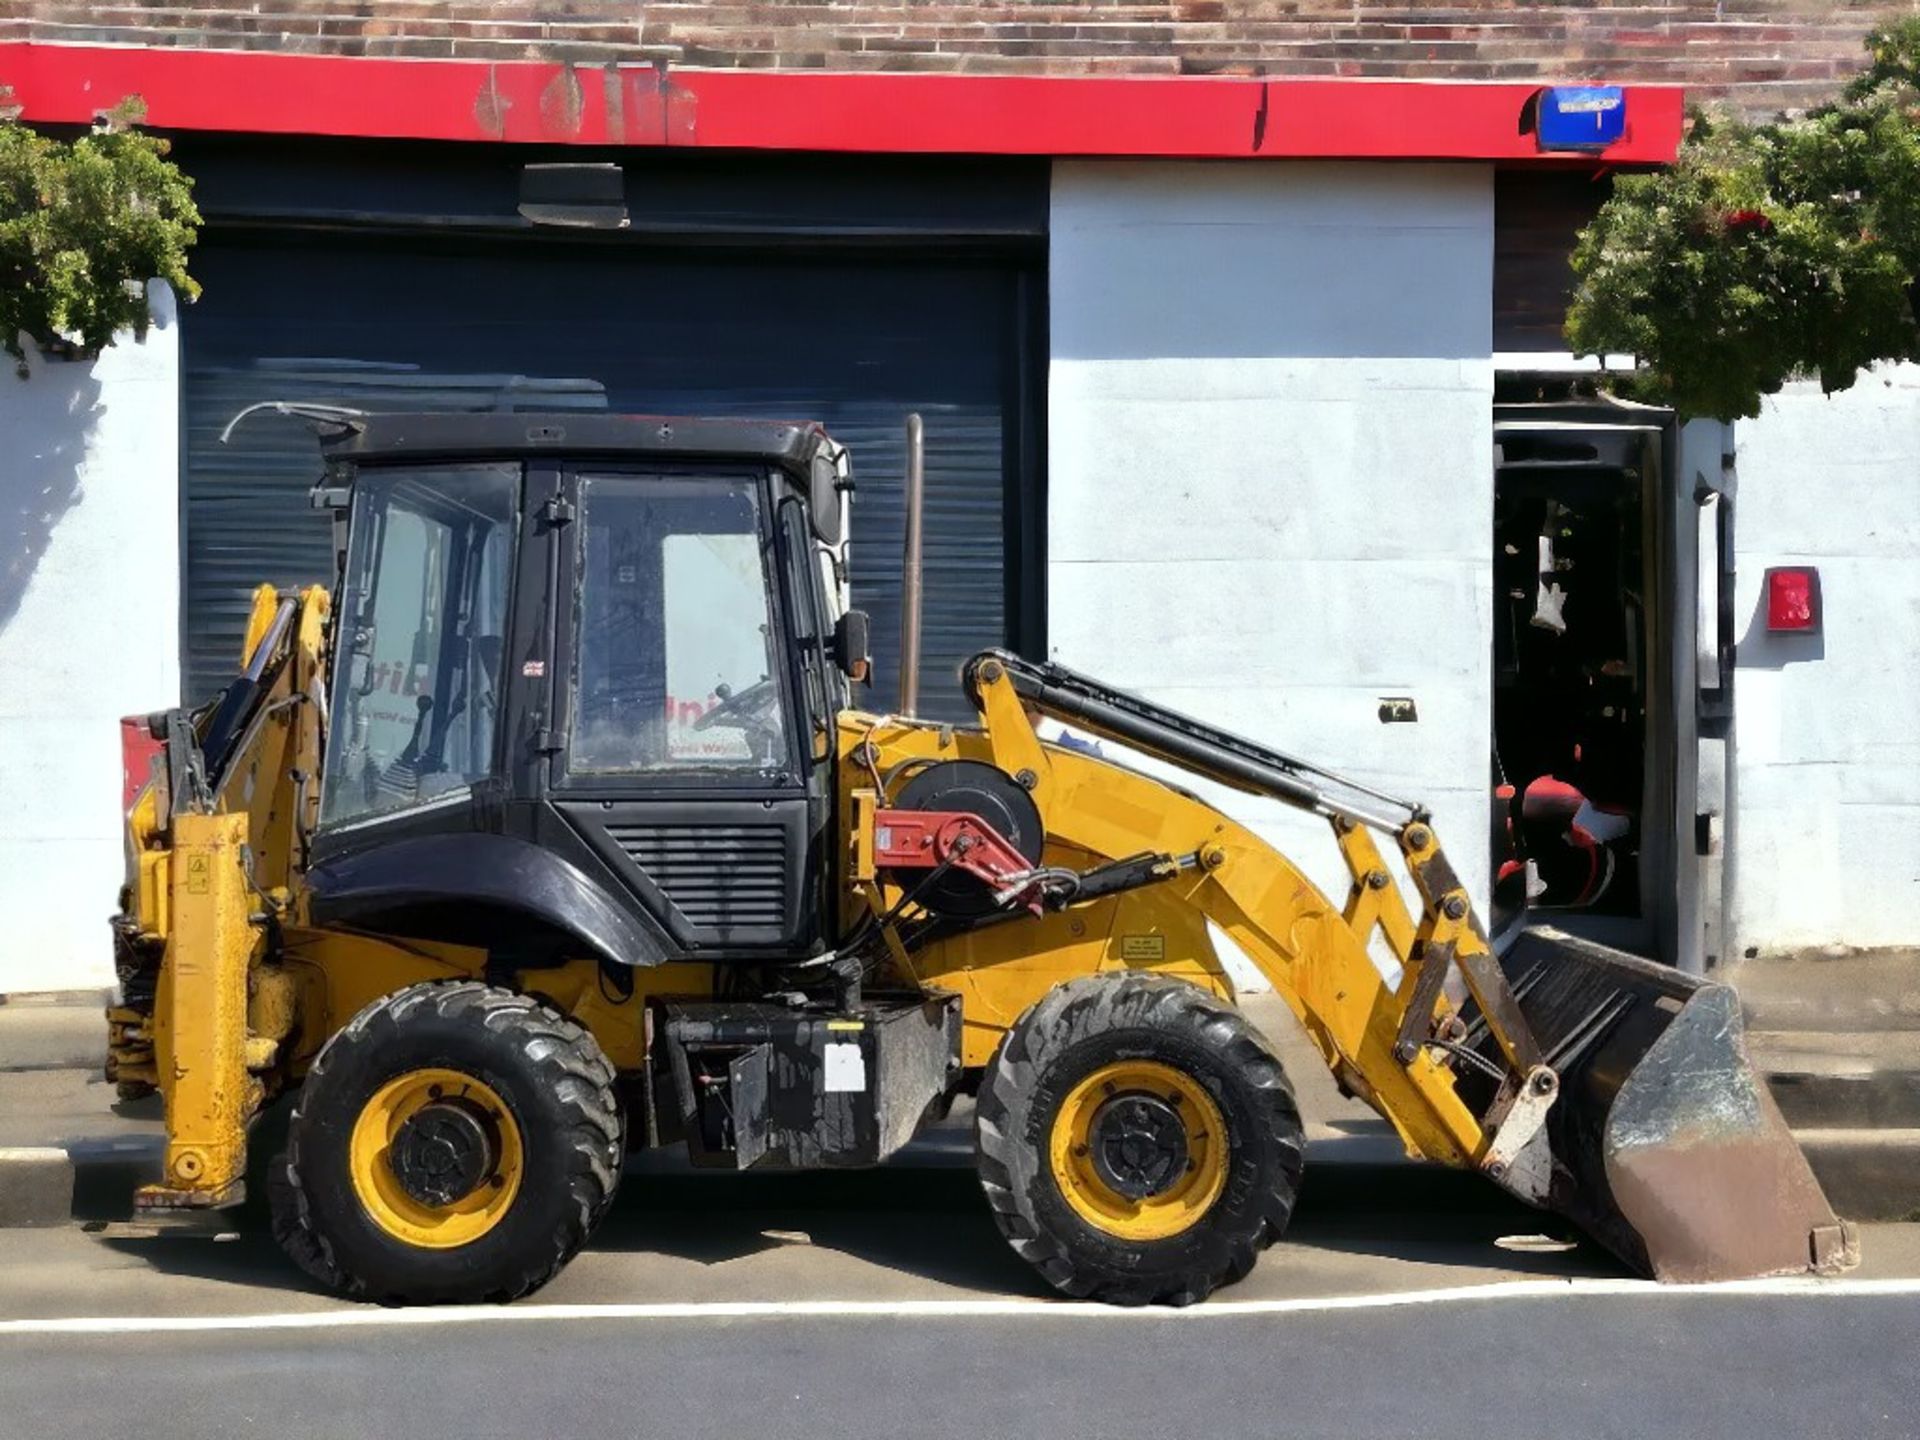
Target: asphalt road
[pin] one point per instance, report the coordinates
(1601, 1366)
(886, 1305)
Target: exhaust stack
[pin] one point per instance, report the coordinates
(910, 568)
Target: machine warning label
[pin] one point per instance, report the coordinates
(846, 1067)
(199, 874)
(1143, 947)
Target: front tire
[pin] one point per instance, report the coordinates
(456, 1142)
(1138, 1141)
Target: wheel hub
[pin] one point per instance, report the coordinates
(1139, 1145)
(444, 1152)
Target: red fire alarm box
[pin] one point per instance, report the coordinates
(1793, 600)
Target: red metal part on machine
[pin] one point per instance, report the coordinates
(923, 839)
(138, 751)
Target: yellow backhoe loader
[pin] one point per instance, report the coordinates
(555, 832)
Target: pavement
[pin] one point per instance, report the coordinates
(1369, 1219)
(1838, 1036)
(68, 1148)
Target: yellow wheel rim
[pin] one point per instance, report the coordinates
(1086, 1120)
(387, 1202)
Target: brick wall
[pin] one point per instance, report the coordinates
(1765, 54)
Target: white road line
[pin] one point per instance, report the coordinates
(374, 1316)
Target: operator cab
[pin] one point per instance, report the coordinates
(591, 661)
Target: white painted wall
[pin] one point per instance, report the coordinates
(1270, 466)
(1825, 840)
(89, 631)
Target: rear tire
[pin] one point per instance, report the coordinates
(1171, 1056)
(530, 1099)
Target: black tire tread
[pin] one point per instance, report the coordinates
(1089, 1006)
(578, 1072)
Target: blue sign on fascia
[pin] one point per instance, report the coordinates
(1580, 117)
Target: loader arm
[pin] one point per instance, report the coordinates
(1379, 1038)
(1605, 1087)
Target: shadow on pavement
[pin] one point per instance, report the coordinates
(934, 1224)
(1434, 1216)
(929, 1224)
(250, 1259)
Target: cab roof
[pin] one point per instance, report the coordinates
(362, 439)
(815, 464)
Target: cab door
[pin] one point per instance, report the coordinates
(679, 735)
(414, 732)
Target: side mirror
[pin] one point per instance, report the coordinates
(852, 645)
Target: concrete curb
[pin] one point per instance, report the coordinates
(43, 1185)
(86, 999)
(36, 1185)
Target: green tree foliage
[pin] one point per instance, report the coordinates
(1766, 251)
(84, 224)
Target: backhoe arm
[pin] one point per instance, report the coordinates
(217, 836)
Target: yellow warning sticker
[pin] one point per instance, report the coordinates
(199, 874)
(1143, 947)
(846, 1024)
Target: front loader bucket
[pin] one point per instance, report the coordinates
(1667, 1147)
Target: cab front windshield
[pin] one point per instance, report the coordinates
(423, 611)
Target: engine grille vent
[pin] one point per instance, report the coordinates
(723, 878)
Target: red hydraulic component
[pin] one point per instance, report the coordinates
(923, 839)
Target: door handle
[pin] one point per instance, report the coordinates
(1714, 620)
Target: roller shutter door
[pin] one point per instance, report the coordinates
(384, 325)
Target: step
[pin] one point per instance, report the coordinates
(1833, 992)
(38, 1034)
(1826, 1080)
(1867, 1174)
